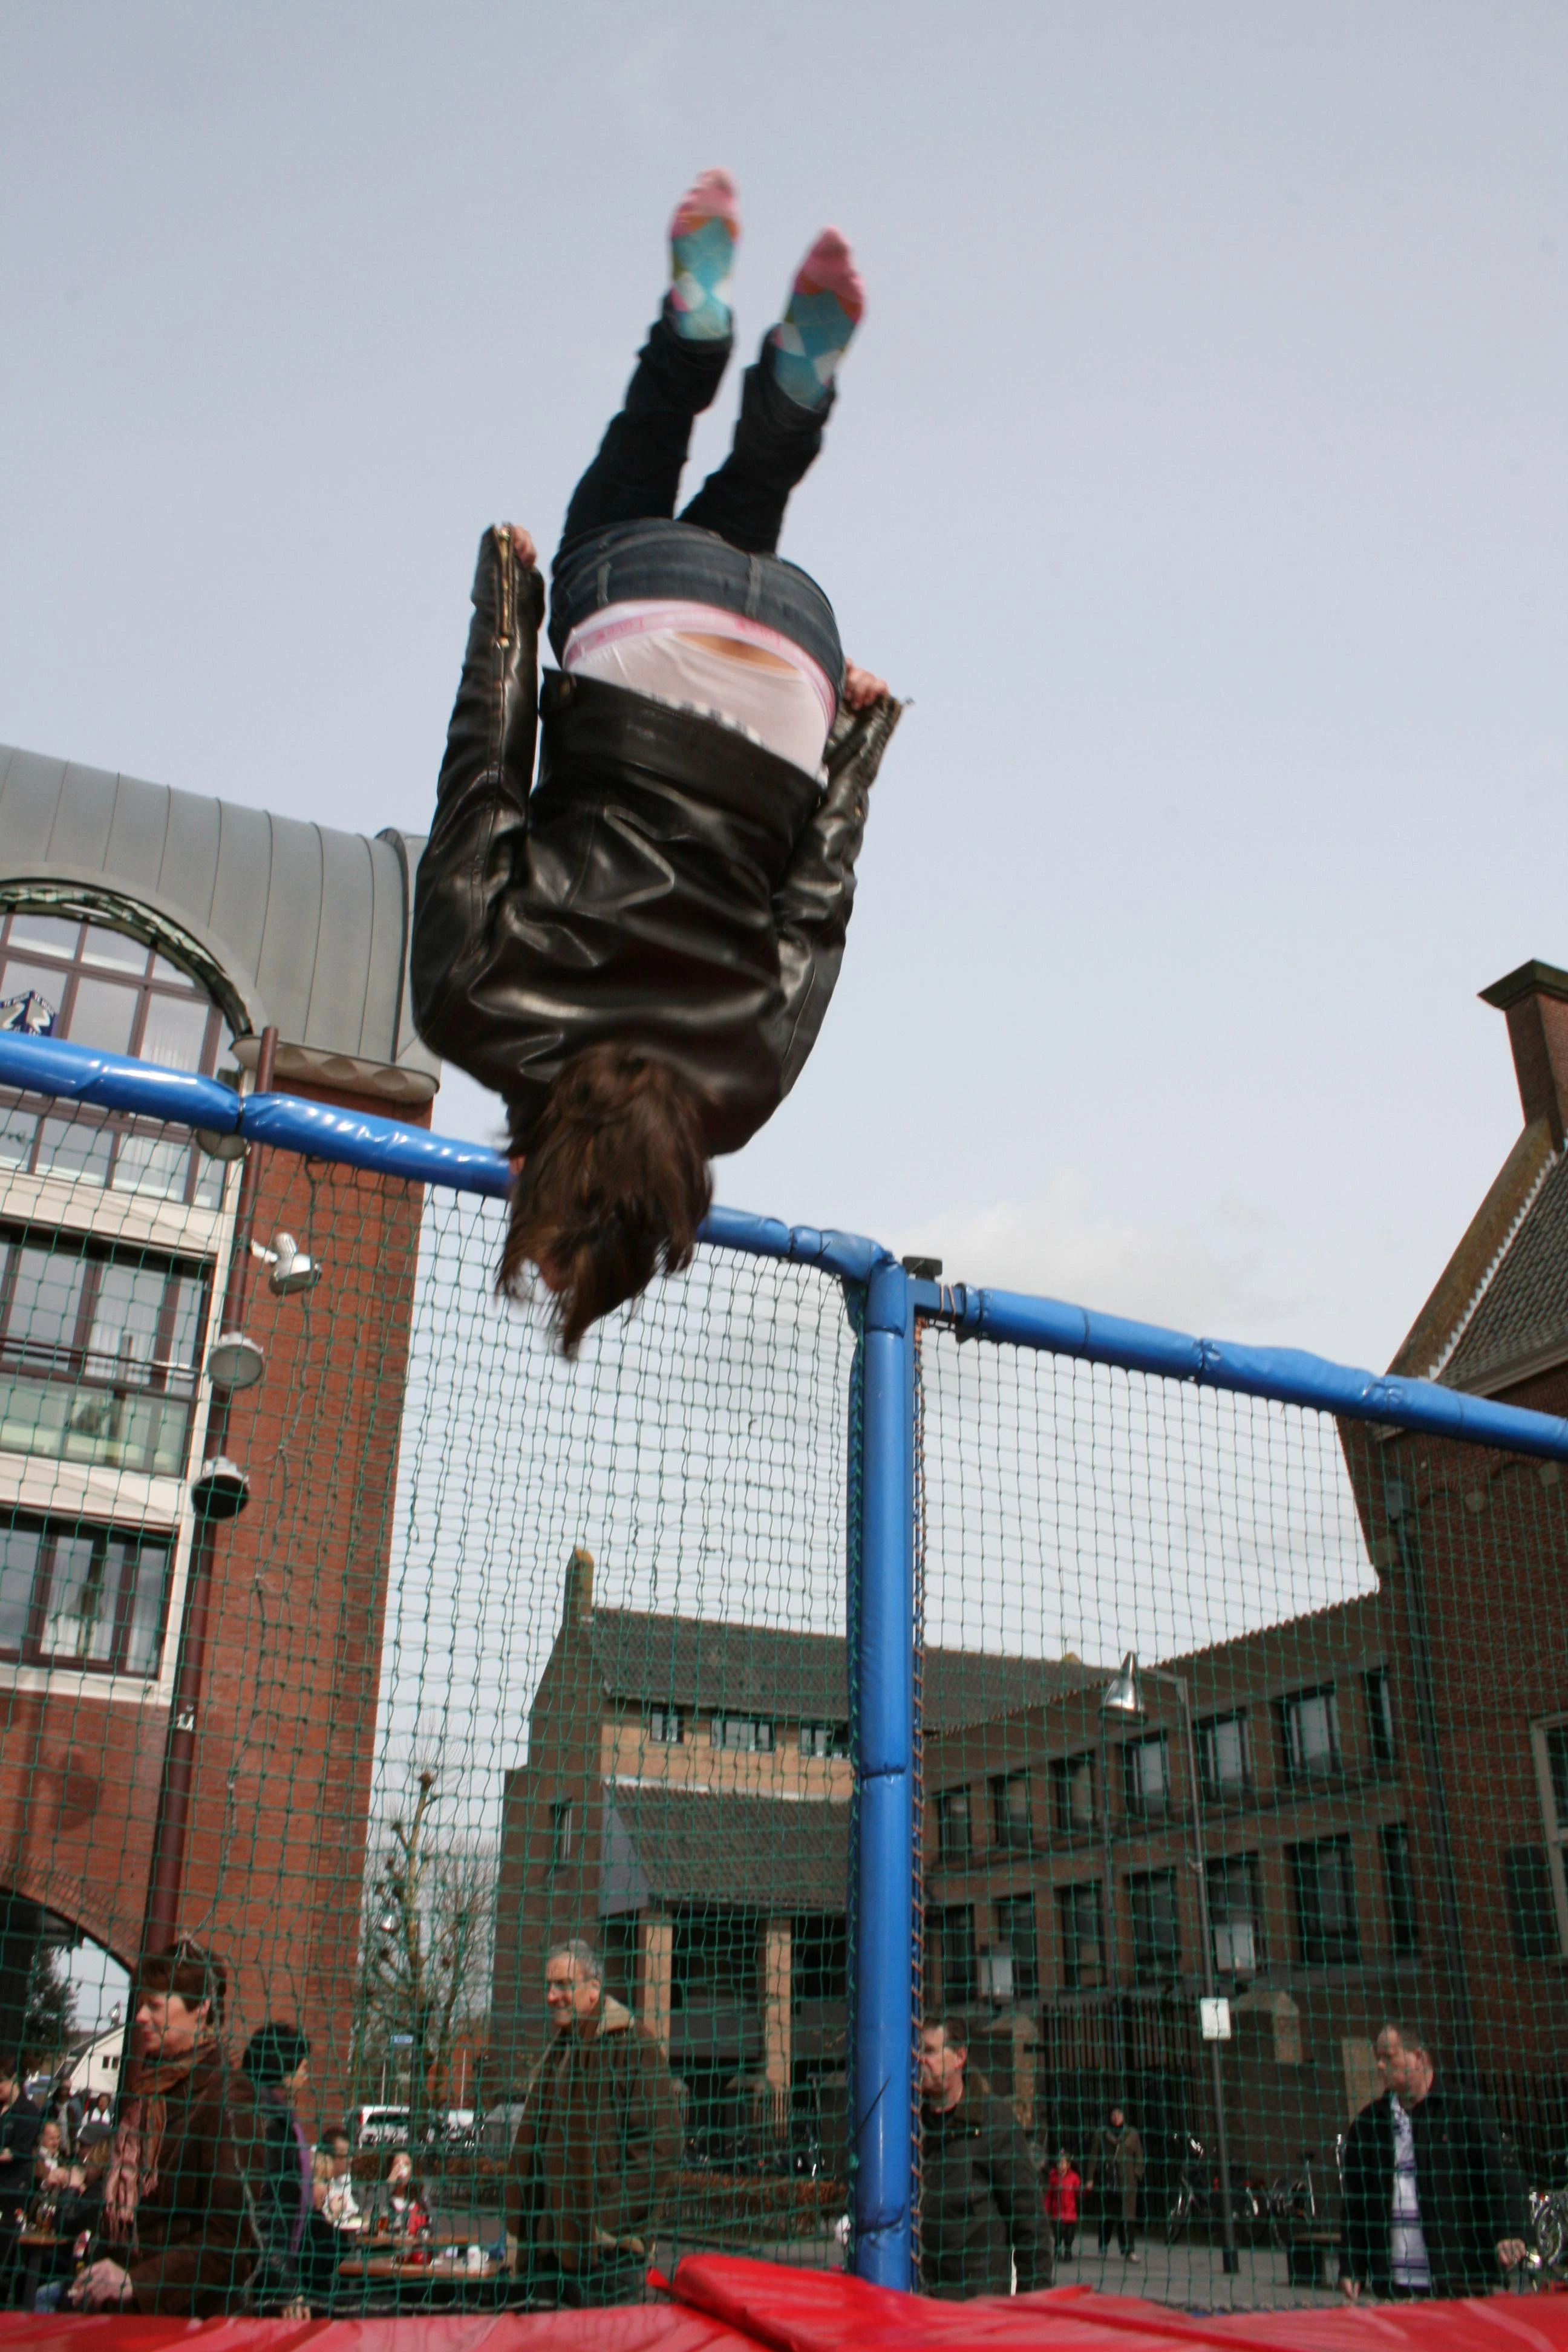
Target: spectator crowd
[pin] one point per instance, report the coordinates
(200, 2192)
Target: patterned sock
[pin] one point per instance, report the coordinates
(702, 239)
(824, 305)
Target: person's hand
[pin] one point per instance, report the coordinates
(861, 689)
(104, 2286)
(1510, 2253)
(1350, 2289)
(522, 540)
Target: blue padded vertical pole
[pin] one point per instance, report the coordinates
(884, 1766)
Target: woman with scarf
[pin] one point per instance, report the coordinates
(178, 2234)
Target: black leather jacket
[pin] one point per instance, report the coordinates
(667, 883)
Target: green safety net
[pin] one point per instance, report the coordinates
(1243, 1737)
(1278, 1760)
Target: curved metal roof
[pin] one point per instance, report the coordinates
(308, 925)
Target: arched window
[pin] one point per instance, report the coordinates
(61, 976)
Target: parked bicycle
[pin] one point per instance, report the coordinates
(1549, 2231)
(1295, 2202)
(1196, 2200)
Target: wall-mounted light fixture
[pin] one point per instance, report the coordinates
(235, 1362)
(220, 1489)
(221, 1146)
(288, 1267)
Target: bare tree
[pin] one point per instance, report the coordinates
(429, 1928)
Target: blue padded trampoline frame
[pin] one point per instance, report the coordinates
(882, 1646)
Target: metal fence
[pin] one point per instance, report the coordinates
(837, 1650)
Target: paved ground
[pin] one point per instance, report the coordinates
(1192, 2274)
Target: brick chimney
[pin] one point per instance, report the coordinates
(1536, 999)
(580, 1581)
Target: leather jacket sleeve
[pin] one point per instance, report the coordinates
(481, 802)
(811, 905)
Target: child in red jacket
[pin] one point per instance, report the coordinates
(1063, 2185)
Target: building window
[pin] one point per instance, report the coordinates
(1147, 1766)
(1235, 1913)
(1080, 1912)
(1015, 1932)
(818, 1958)
(99, 1353)
(1010, 1810)
(1326, 1923)
(1380, 1715)
(1312, 1734)
(1549, 1741)
(666, 1727)
(1399, 1887)
(1225, 1757)
(1156, 1925)
(72, 1594)
(745, 1735)
(952, 1825)
(563, 1832)
(62, 978)
(1072, 1793)
(825, 1739)
(1531, 1912)
(714, 1952)
(955, 1926)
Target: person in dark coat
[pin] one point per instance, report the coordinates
(980, 2201)
(1433, 2203)
(1116, 2159)
(20, 2123)
(276, 2064)
(594, 2164)
(178, 2228)
(637, 954)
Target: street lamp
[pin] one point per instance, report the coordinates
(1123, 1697)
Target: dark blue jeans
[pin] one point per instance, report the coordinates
(620, 541)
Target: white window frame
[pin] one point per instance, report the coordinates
(1136, 1796)
(761, 1727)
(1215, 1785)
(1301, 1768)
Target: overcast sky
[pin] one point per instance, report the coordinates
(1199, 473)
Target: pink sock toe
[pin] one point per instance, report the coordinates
(829, 268)
(712, 195)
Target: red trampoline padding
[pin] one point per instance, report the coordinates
(725, 2303)
(638, 2327)
(827, 2311)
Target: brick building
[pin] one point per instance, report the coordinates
(1318, 1920)
(157, 923)
(685, 1806)
(1384, 1786)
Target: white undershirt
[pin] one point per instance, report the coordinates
(1408, 2261)
(646, 645)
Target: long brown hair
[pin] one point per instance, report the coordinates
(613, 1189)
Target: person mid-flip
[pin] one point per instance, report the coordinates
(637, 954)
